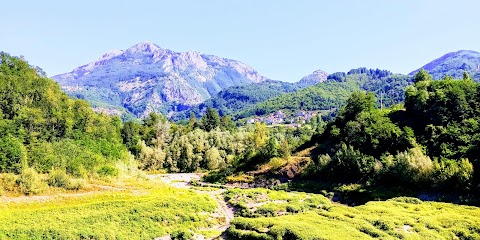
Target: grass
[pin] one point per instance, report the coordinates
(145, 211)
(293, 215)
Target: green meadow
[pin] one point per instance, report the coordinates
(267, 214)
(144, 212)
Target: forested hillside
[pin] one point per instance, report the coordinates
(237, 98)
(334, 92)
(432, 143)
(41, 128)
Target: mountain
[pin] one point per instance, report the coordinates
(454, 64)
(146, 78)
(314, 78)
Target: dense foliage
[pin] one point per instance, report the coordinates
(210, 143)
(237, 98)
(42, 128)
(333, 93)
(431, 144)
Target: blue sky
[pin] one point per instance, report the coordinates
(283, 40)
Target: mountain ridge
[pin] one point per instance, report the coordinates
(453, 64)
(145, 78)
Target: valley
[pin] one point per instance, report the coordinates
(360, 154)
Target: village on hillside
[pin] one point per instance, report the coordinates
(279, 117)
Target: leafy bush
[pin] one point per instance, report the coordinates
(181, 234)
(410, 200)
(59, 178)
(29, 182)
(13, 154)
(276, 163)
(412, 166)
(108, 171)
(8, 181)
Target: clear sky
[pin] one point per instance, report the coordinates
(283, 40)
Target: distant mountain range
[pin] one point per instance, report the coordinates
(146, 78)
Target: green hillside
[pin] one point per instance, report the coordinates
(42, 128)
(432, 144)
(238, 98)
(334, 92)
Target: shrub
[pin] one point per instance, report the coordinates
(13, 154)
(76, 184)
(8, 181)
(413, 166)
(181, 234)
(58, 178)
(29, 182)
(276, 163)
(107, 171)
(453, 174)
(410, 200)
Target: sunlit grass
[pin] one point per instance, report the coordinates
(144, 211)
(266, 214)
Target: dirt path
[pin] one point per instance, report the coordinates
(224, 208)
(182, 180)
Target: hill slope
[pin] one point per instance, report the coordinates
(41, 127)
(238, 98)
(454, 64)
(146, 78)
(334, 92)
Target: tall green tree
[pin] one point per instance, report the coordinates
(210, 120)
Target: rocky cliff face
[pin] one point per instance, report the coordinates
(146, 78)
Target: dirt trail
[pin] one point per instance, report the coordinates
(182, 180)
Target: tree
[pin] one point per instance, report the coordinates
(192, 121)
(131, 135)
(210, 120)
(357, 103)
(259, 136)
(213, 158)
(271, 148)
(227, 123)
(422, 75)
(13, 155)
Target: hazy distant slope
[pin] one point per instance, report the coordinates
(454, 64)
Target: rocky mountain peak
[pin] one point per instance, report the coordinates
(146, 46)
(316, 77)
(145, 78)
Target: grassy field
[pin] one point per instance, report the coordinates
(267, 214)
(127, 211)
